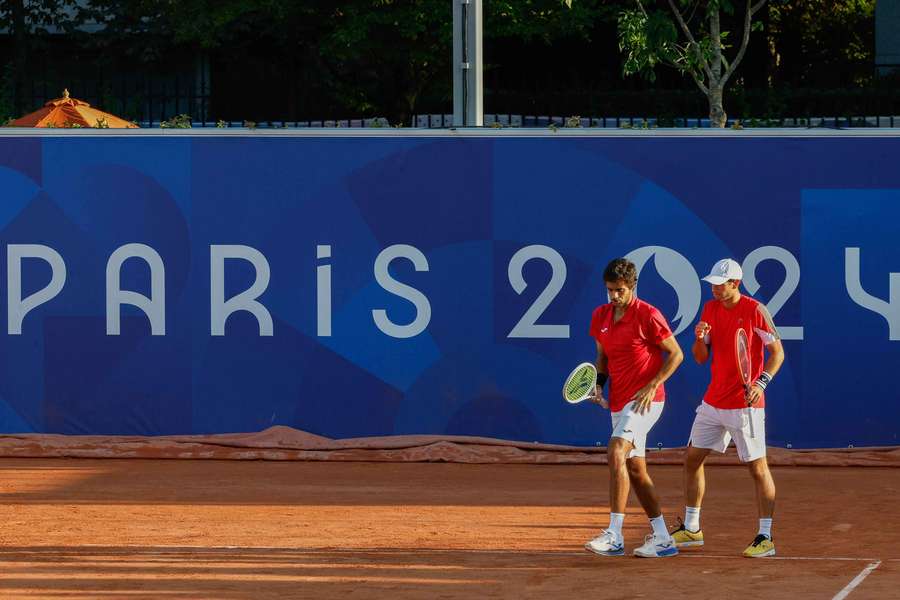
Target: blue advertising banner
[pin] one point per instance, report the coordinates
(402, 284)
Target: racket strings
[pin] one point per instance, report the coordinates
(743, 357)
(580, 384)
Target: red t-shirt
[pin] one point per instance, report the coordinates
(726, 389)
(632, 348)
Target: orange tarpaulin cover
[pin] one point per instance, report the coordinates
(286, 443)
(68, 112)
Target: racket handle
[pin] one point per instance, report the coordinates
(749, 410)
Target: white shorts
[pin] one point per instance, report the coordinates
(634, 427)
(715, 427)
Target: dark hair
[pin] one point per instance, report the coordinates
(621, 269)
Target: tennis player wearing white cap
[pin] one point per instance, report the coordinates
(728, 412)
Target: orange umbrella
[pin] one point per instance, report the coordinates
(69, 112)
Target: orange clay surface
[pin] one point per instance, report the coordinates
(141, 529)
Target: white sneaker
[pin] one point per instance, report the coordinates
(656, 547)
(606, 544)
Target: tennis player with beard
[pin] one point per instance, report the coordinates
(632, 338)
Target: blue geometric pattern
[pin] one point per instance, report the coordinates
(468, 205)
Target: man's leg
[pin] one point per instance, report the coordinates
(765, 487)
(659, 544)
(694, 476)
(610, 542)
(688, 533)
(616, 454)
(708, 433)
(762, 545)
(751, 446)
(643, 486)
(639, 427)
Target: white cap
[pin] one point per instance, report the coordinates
(723, 271)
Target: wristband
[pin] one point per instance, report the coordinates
(601, 378)
(763, 380)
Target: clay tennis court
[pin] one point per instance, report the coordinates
(143, 528)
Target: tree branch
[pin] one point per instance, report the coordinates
(641, 6)
(703, 64)
(700, 84)
(744, 42)
(715, 35)
(756, 7)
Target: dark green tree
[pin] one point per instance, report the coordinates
(687, 35)
(821, 43)
(369, 57)
(27, 23)
(384, 54)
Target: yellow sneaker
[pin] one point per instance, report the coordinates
(685, 538)
(761, 546)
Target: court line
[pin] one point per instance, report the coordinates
(856, 581)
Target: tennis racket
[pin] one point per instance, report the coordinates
(580, 383)
(742, 354)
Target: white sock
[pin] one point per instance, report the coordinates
(659, 527)
(765, 527)
(616, 520)
(692, 518)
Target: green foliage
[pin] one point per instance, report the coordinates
(544, 20)
(39, 16)
(829, 42)
(205, 24)
(652, 38)
(177, 122)
(648, 40)
(370, 56)
(391, 57)
(26, 24)
(382, 55)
